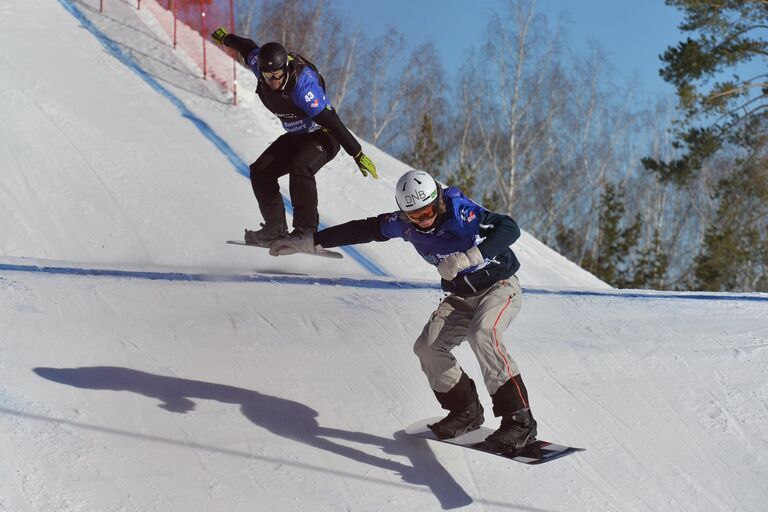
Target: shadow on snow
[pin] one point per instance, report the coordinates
(286, 418)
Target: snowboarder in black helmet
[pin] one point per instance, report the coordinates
(292, 88)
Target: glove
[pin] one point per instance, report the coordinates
(366, 165)
(475, 257)
(450, 267)
(218, 35)
(304, 242)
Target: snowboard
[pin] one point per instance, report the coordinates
(537, 452)
(323, 253)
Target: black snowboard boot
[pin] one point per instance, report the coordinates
(465, 411)
(265, 235)
(517, 430)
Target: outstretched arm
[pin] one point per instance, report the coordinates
(350, 233)
(241, 45)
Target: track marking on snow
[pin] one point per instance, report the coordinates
(385, 284)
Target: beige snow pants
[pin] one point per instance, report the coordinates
(481, 319)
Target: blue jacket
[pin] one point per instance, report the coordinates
(301, 104)
(302, 98)
(465, 224)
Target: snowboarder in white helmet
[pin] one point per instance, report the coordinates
(484, 296)
(293, 89)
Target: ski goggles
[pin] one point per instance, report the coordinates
(277, 74)
(423, 214)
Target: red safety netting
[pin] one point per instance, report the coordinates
(190, 23)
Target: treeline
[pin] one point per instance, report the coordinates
(531, 129)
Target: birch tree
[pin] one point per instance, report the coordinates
(521, 57)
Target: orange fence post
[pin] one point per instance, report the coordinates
(202, 36)
(234, 60)
(175, 18)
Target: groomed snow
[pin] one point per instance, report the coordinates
(146, 365)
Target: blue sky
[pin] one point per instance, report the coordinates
(634, 33)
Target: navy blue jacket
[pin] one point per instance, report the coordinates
(296, 104)
(465, 224)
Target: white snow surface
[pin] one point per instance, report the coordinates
(148, 366)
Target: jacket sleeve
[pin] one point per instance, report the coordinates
(351, 233)
(331, 121)
(241, 45)
(500, 231)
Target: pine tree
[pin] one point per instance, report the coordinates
(611, 259)
(426, 153)
(493, 201)
(463, 178)
(734, 254)
(650, 269)
(568, 242)
(715, 113)
(723, 116)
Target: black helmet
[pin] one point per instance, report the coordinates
(272, 57)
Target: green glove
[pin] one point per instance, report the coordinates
(366, 165)
(218, 35)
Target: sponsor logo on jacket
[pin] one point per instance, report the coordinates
(466, 214)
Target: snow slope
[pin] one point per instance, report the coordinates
(146, 365)
(137, 161)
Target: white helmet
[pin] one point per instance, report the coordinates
(415, 189)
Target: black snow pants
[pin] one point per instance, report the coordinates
(300, 156)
